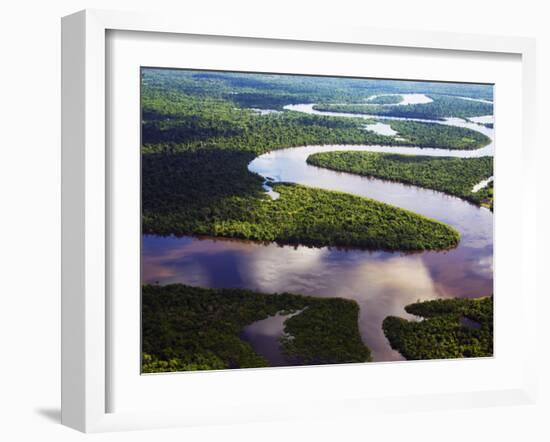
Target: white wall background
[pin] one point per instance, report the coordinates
(30, 214)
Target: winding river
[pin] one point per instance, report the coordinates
(381, 282)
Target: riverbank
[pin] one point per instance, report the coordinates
(455, 176)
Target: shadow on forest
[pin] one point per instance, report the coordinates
(197, 179)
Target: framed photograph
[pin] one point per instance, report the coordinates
(264, 222)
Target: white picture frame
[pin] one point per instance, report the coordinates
(85, 210)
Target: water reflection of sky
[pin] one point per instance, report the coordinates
(381, 282)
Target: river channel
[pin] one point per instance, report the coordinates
(382, 283)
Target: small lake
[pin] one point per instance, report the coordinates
(405, 99)
(380, 128)
(382, 283)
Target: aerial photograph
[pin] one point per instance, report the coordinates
(301, 220)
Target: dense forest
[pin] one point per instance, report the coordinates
(440, 108)
(195, 179)
(201, 129)
(274, 91)
(486, 195)
(175, 122)
(205, 193)
(196, 123)
(191, 328)
(455, 176)
(452, 328)
(438, 135)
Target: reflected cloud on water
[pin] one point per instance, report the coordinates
(382, 283)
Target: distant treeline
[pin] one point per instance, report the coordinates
(386, 99)
(455, 176)
(261, 90)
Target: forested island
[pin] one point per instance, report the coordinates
(385, 99)
(455, 176)
(210, 196)
(451, 328)
(437, 135)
